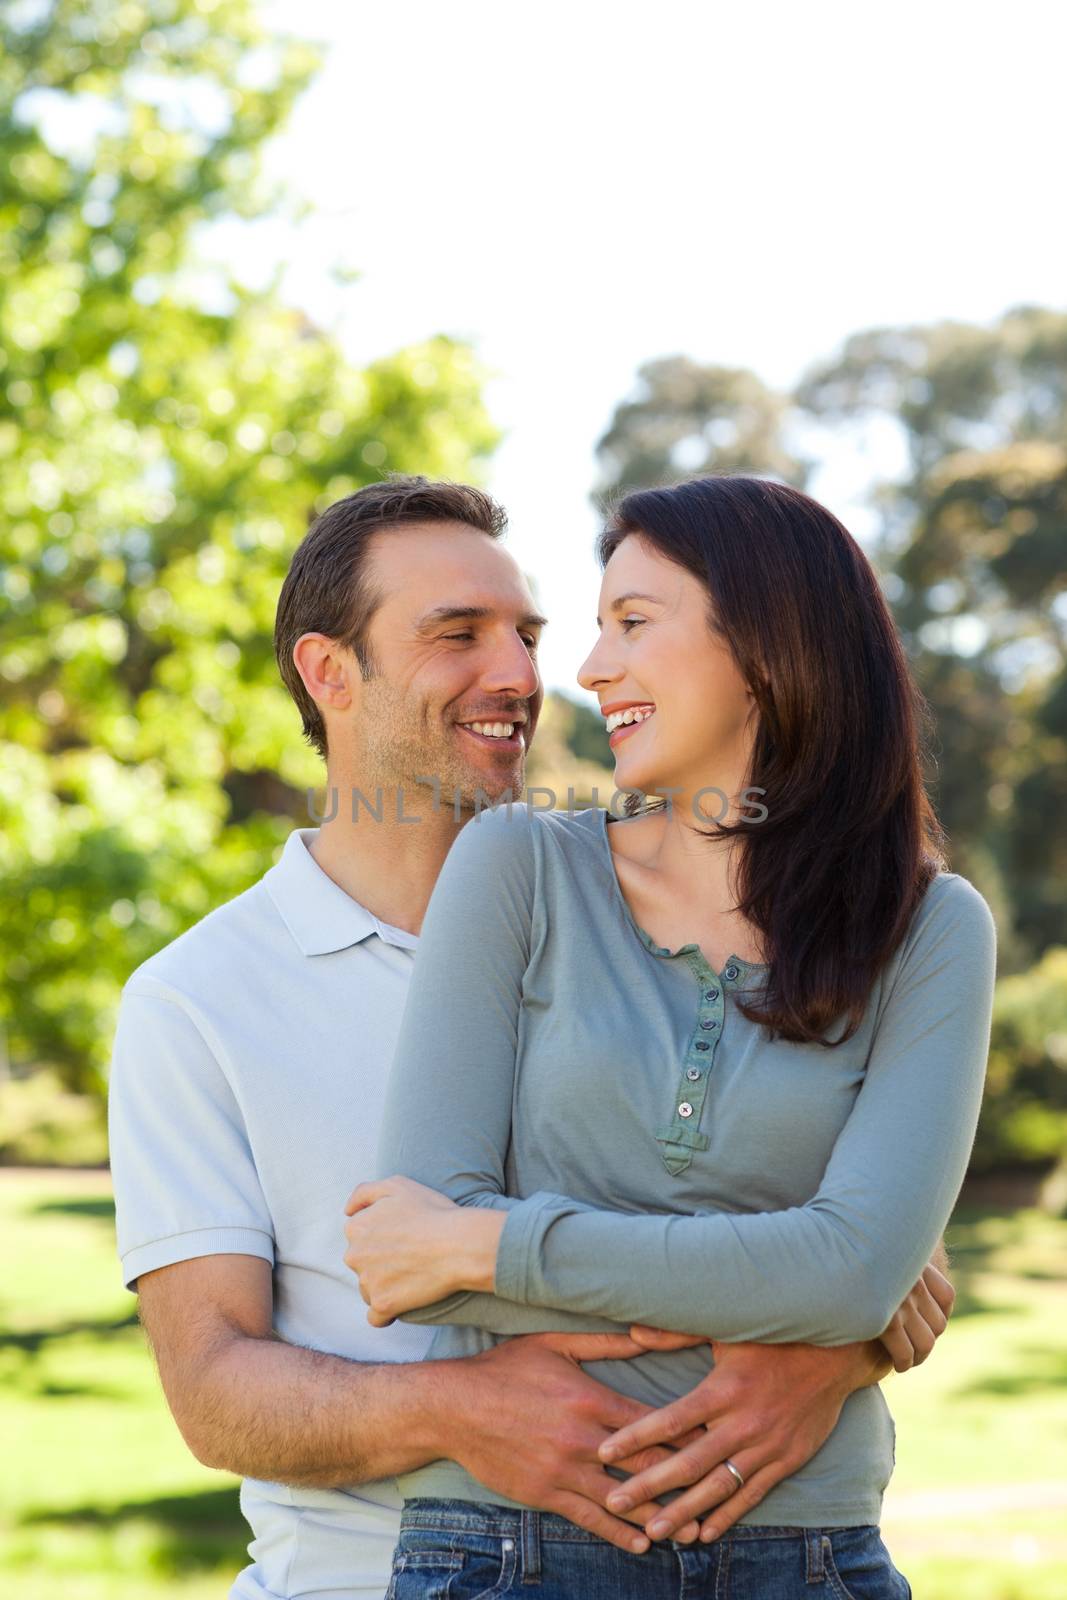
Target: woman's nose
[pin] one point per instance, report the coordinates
(595, 669)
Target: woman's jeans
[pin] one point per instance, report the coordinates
(460, 1550)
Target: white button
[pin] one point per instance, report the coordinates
(508, 1544)
(685, 1109)
(692, 1073)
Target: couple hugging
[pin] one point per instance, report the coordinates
(647, 1125)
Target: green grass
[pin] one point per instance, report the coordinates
(982, 1425)
(101, 1500)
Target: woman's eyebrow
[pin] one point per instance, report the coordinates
(631, 594)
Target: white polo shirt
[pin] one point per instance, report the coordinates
(247, 1088)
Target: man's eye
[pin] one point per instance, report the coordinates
(526, 638)
(632, 622)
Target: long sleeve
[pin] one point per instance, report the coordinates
(834, 1269)
(447, 1119)
(828, 1271)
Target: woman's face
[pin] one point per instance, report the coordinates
(657, 653)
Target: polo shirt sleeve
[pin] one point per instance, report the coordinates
(184, 1176)
(834, 1269)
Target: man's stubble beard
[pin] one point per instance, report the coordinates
(402, 743)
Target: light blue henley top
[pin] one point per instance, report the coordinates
(662, 1161)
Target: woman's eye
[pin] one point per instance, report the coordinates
(632, 622)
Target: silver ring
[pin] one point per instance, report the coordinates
(733, 1470)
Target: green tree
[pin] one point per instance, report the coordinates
(686, 418)
(1024, 1116)
(164, 442)
(976, 536)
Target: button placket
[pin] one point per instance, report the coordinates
(681, 1137)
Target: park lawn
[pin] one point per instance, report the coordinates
(101, 1500)
(977, 1508)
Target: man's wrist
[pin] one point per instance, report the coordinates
(441, 1401)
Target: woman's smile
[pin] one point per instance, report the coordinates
(624, 729)
(624, 719)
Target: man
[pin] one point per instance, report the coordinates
(248, 1079)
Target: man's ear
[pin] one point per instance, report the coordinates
(326, 670)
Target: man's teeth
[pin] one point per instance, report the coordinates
(631, 714)
(494, 730)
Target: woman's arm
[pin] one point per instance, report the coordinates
(831, 1271)
(447, 1120)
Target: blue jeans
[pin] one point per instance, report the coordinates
(460, 1550)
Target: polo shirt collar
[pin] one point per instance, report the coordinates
(319, 914)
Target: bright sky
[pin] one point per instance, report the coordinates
(581, 187)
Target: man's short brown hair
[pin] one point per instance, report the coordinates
(326, 588)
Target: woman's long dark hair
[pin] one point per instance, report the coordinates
(833, 875)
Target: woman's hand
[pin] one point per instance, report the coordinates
(765, 1408)
(411, 1246)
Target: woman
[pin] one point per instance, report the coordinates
(714, 1066)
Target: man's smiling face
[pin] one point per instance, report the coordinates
(454, 639)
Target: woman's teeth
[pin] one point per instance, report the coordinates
(631, 714)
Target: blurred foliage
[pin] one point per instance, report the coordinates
(45, 1124)
(685, 419)
(165, 436)
(975, 541)
(1024, 1115)
(973, 553)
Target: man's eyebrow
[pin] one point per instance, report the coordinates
(442, 614)
(631, 594)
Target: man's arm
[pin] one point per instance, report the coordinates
(249, 1403)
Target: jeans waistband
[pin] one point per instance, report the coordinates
(527, 1527)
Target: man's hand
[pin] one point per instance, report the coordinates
(525, 1420)
(920, 1321)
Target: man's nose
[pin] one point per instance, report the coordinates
(513, 670)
